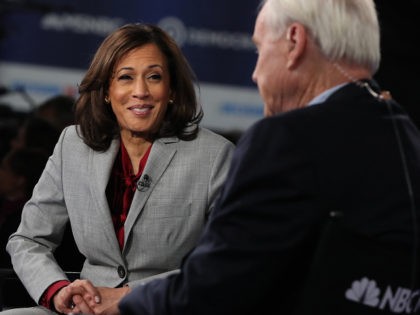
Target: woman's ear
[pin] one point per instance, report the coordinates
(172, 96)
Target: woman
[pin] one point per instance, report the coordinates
(137, 177)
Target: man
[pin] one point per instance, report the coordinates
(333, 154)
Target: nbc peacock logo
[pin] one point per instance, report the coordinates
(399, 301)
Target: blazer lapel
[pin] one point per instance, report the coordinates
(102, 163)
(159, 159)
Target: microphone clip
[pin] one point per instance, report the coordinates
(144, 183)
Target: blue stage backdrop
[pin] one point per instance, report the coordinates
(45, 47)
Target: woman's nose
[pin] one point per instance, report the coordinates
(141, 89)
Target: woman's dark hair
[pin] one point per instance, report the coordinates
(98, 124)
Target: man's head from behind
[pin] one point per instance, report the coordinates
(298, 41)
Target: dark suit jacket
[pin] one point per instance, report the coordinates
(288, 174)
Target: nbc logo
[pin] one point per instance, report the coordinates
(399, 301)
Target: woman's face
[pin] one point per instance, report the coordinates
(139, 91)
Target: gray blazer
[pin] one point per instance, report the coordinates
(163, 223)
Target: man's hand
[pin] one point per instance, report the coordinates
(110, 297)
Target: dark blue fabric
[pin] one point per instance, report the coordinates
(288, 173)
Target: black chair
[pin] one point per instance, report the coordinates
(353, 274)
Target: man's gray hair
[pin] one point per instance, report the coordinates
(345, 30)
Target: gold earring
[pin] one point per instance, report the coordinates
(171, 101)
(106, 99)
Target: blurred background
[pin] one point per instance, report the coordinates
(46, 46)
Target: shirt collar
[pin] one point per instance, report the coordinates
(324, 95)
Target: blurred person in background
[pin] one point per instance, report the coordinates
(10, 120)
(36, 133)
(20, 170)
(58, 110)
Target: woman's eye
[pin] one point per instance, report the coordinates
(124, 77)
(155, 76)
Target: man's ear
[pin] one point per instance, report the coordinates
(296, 36)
